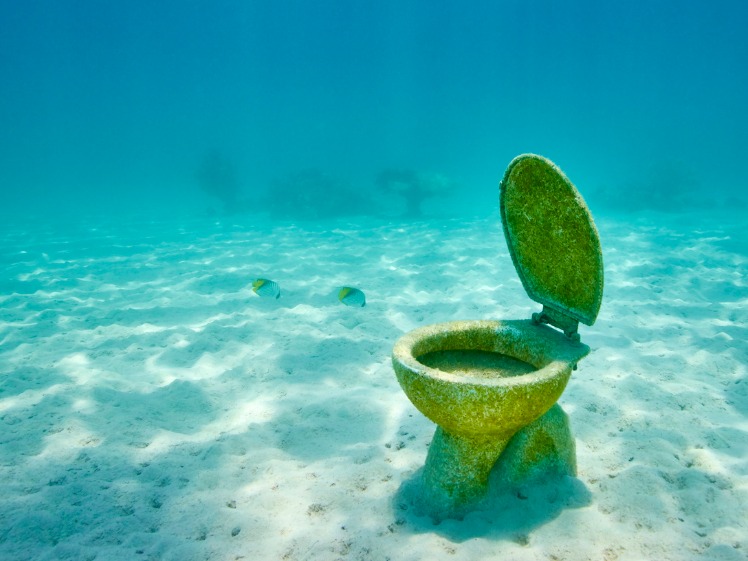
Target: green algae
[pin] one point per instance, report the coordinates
(552, 239)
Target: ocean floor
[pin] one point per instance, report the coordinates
(153, 407)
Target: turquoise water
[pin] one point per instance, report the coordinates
(157, 157)
(114, 107)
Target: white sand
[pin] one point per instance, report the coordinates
(152, 407)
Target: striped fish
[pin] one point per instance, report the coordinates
(352, 297)
(266, 288)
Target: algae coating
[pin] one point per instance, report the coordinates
(477, 415)
(552, 239)
(491, 386)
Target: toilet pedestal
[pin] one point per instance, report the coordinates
(545, 447)
(458, 470)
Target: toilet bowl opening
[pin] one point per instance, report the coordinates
(488, 350)
(475, 363)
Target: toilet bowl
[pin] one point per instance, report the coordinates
(487, 382)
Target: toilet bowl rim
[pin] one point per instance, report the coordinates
(402, 353)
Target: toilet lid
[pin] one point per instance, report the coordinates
(551, 237)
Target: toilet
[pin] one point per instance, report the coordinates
(491, 386)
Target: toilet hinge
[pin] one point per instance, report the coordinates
(563, 322)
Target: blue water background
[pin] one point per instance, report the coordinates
(110, 107)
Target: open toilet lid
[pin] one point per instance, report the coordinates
(552, 239)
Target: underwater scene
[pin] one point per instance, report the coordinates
(359, 280)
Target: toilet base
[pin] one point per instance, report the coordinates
(543, 448)
(457, 470)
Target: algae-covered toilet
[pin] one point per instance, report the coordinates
(491, 386)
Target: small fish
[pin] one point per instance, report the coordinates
(266, 288)
(352, 296)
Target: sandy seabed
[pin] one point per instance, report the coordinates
(153, 407)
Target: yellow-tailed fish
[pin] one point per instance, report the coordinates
(352, 296)
(266, 288)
